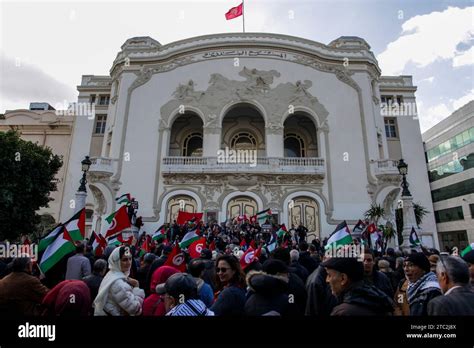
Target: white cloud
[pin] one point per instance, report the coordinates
(427, 38)
(457, 103)
(22, 83)
(429, 79)
(464, 58)
(435, 114)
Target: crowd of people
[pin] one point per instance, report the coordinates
(295, 278)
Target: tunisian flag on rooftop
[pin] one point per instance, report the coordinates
(234, 12)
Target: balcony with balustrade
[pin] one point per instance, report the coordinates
(102, 166)
(262, 165)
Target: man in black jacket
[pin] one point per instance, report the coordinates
(355, 297)
(458, 298)
(376, 278)
(305, 258)
(320, 301)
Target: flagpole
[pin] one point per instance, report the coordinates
(243, 15)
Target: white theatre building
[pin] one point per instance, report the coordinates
(310, 112)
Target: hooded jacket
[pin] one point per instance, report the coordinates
(154, 304)
(267, 293)
(58, 300)
(116, 297)
(363, 300)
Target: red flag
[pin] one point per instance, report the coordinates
(285, 244)
(183, 217)
(212, 246)
(247, 258)
(234, 12)
(258, 252)
(371, 228)
(243, 242)
(125, 241)
(252, 244)
(176, 259)
(196, 247)
(118, 222)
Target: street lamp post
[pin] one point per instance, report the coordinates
(409, 219)
(81, 193)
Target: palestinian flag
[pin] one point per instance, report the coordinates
(118, 221)
(98, 243)
(59, 242)
(176, 259)
(119, 240)
(189, 238)
(414, 240)
(125, 198)
(358, 229)
(160, 234)
(75, 228)
(281, 232)
(261, 216)
(196, 247)
(50, 238)
(469, 248)
(145, 248)
(55, 252)
(341, 236)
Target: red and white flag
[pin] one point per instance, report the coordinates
(234, 12)
(196, 247)
(176, 259)
(247, 258)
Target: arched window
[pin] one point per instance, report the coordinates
(193, 145)
(294, 146)
(243, 141)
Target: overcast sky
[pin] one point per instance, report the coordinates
(45, 47)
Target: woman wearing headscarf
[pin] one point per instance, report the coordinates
(118, 293)
(154, 304)
(68, 298)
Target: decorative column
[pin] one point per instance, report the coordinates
(211, 141)
(274, 140)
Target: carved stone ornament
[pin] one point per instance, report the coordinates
(258, 86)
(241, 179)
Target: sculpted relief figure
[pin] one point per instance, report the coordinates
(259, 78)
(187, 90)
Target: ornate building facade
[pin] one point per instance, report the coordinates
(309, 112)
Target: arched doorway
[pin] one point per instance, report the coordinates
(241, 205)
(304, 211)
(177, 203)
